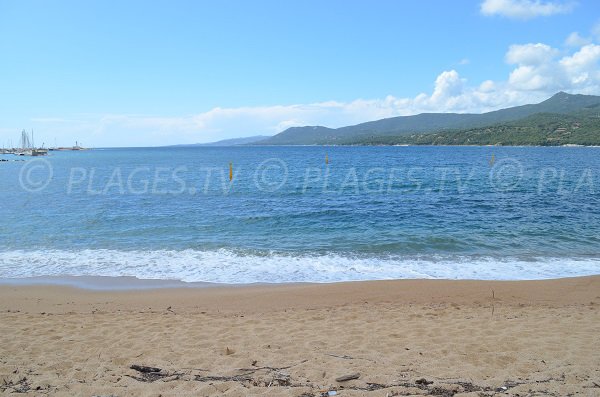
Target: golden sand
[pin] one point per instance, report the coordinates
(407, 337)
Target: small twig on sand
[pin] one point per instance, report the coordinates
(195, 369)
(345, 357)
(275, 369)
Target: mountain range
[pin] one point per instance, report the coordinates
(231, 142)
(579, 113)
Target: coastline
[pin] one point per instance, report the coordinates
(102, 283)
(467, 337)
(280, 296)
(110, 284)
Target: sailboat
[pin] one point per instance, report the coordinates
(28, 147)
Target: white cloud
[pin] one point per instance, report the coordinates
(447, 85)
(530, 54)
(538, 71)
(535, 67)
(539, 68)
(487, 86)
(575, 40)
(581, 68)
(525, 9)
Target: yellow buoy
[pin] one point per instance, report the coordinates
(326, 159)
(493, 159)
(230, 171)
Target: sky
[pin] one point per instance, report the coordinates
(150, 73)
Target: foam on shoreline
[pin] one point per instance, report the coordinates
(155, 269)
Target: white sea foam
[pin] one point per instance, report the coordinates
(224, 266)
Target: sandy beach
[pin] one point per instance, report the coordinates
(396, 338)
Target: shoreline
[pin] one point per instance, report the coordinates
(563, 291)
(103, 283)
(261, 297)
(132, 283)
(114, 269)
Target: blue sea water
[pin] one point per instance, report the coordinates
(295, 214)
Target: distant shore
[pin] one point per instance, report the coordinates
(404, 337)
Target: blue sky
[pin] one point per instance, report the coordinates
(137, 73)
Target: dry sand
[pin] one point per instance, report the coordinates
(466, 337)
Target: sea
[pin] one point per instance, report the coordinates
(254, 214)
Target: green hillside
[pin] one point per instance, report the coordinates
(444, 125)
(543, 129)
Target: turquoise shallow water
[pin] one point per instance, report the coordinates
(370, 213)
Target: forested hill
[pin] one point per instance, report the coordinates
(561, 119)
(542, 129)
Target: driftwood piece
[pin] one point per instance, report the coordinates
(423, 382)
(152, 374)
(144, 369)
(235, 378)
